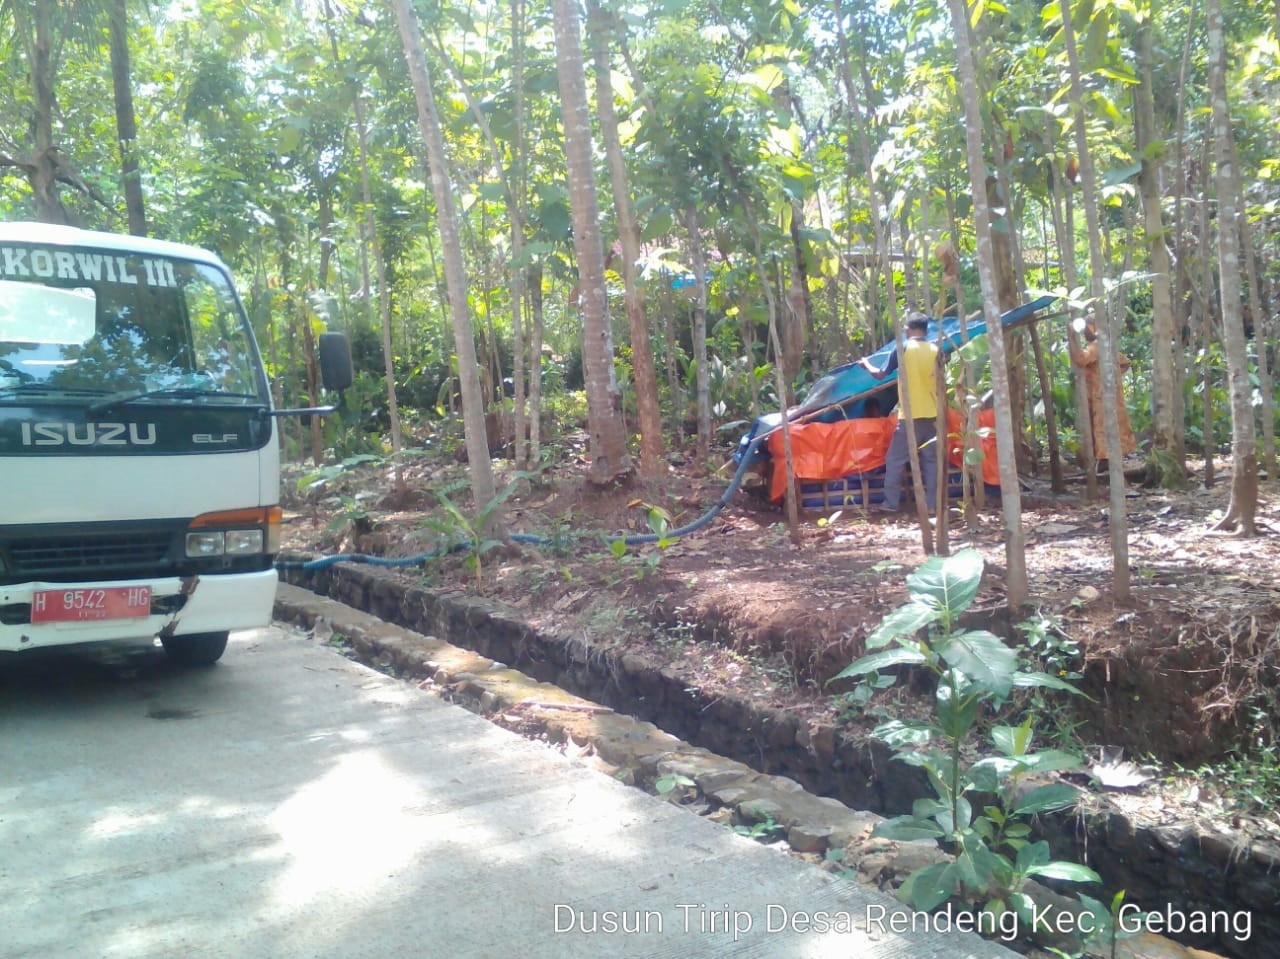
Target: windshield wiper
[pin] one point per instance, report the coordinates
(175, 392)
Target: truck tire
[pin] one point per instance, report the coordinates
(195, 649)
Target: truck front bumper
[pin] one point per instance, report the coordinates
(198, 604)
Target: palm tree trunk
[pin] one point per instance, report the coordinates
(609, 459)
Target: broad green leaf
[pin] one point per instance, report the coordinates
(1046, 799)
(897, 732)
(985, 865)
(882, 660)
(930, 887)
(1027, 680)
(1066, 871)
(926, 808)
(957, 712)
(1012, 740)
(1032, 856)
(950, 581)
(987, 773)
(1049, 761)
(1025, 908)
(964, 816)
(983, 658)
(903, 621)
(907, 829)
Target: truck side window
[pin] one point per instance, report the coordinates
(218, 339)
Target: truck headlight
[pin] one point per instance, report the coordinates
(241, 542)
(205, 544)
(239, 532)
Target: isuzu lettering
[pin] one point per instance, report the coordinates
(139, 457)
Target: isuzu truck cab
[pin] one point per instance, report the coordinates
(139, 455)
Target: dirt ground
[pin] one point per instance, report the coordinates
(1182, 674)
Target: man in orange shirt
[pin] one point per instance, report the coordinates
(920, 378)
(1087, 359)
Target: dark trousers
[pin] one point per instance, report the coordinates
(896, 460)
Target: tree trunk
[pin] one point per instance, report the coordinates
(642, 366)
(384, 297)
(702, 377)
(537, 323)
(798, 310)
(862, 150)
(1243, 506)
(1011, 496)
(609, 459)
(1008, 296)
(791, 499)
(1102, 317)
(479, 465)
(43, 166)
(1163, 381)
(1261, 324)
(126, 125)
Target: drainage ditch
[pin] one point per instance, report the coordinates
(1180, 868)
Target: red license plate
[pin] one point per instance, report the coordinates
(87, 604)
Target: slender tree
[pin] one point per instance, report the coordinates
(126, 123)
(609, 458)
(1242, 509)
(642, 366)
(1102, 314)
(1168, 466)
(1010, 492)
(480, 466)
(43, 162)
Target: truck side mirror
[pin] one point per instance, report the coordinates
(336, 370)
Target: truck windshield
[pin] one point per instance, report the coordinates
(81, 323)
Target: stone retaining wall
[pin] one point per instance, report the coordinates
(1189, 868)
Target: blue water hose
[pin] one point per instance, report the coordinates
(744, 463)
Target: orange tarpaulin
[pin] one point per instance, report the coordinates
(828, 451)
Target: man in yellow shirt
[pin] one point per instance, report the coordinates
(920, 376)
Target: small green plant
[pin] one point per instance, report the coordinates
(646, 563)
(839, 867)
(353, 511)
(766, 831)
(1057, 653)
(669, 783)
(855, 702)
(1248, 779)
(994, 854)
(1102, 927)
(1050, 649)
(468, 536)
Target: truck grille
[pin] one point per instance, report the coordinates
(96, 555)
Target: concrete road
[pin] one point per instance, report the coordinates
(288, 803)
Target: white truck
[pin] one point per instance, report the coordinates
(139, 456)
